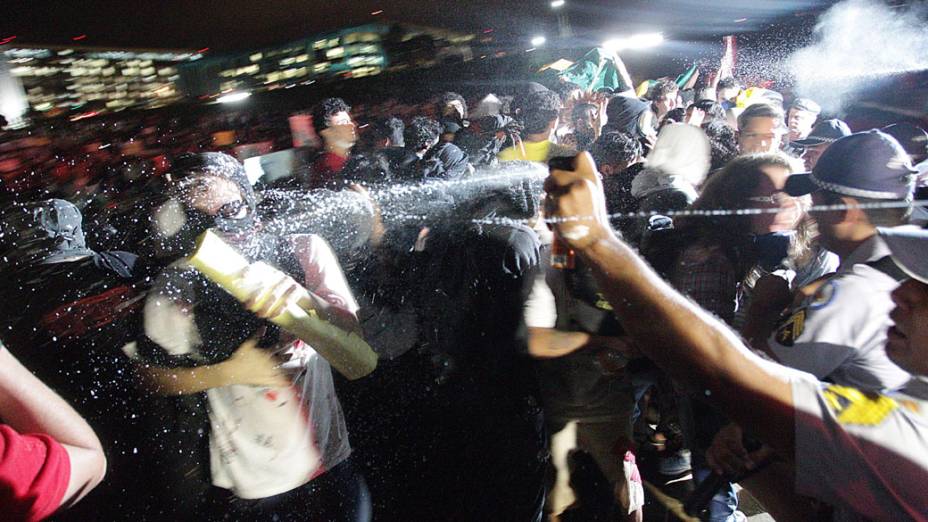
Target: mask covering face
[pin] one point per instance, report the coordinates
(773, 248)
(176, 227)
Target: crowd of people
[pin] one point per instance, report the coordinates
(716, 285)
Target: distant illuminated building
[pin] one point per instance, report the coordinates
(57, 78)
(66, 78)
(353, 52)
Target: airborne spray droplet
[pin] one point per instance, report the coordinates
(859, 41)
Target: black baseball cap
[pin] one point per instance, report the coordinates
(805, 104)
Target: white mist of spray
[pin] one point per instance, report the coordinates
(858, 41)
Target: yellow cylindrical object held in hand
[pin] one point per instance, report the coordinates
(220, 263)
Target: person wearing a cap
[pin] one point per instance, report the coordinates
(913, 139)
(838, 331)
(863, 452)
(811, 148)
(801, 117)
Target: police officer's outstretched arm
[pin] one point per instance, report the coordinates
(687, 342)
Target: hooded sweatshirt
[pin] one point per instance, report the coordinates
(680, 161)
(677, 165)
(623, 114)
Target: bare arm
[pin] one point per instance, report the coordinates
(249, 365)
(688, 343)
(29, 406)
(546, 343)
(271, 301)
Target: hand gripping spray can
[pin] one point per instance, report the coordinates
(347, 352)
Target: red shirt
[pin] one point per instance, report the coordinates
(34, 474)
(326, 169)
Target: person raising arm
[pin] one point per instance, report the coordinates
(861, 452)
(691, 344)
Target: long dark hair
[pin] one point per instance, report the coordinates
(729, 189)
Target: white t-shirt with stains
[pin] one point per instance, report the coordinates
(267, 441)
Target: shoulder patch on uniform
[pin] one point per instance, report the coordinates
(852, 406)
(824, 295)
(792, 328)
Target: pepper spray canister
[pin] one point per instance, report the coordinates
(562, 256)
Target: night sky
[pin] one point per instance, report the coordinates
(242, 24)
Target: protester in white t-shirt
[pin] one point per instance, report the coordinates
(273, 451)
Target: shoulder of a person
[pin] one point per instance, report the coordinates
(859, 410)
(509, 153)
(119, 262)
(847, 291)
(863, 278)
(307, 241)
(559, 150)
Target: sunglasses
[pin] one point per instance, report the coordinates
(231, 210)
(774, 199)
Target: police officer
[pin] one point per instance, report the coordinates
(838, 332)
(866, 453)
(811, 148)
(801, 117)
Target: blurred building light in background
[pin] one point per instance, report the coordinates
(538, 41)
(233, 97)
(638, 41)
(557, 4)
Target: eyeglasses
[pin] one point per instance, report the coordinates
(776, 198)
(231, 210)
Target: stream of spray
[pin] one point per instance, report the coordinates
(345, 218)
(856, 43)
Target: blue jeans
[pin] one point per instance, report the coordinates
(724, 505)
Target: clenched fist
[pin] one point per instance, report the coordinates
(576, 203)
